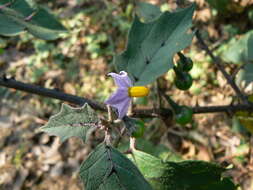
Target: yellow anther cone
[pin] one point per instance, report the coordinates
(138, 91)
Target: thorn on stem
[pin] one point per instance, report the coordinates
(6, 77)
(28, 18)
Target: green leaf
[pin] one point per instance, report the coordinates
(8, 27)
(73, 122)
(224, 184)
(158, 150)
(245, 74)
(147, 11)
(150, 166)
(151, 46)
(41, 24)
(108, 169)
(187, 175)
(19, 8)
(240, 50)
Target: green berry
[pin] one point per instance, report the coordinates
(183, 81)
(184, 115)
(185, 63)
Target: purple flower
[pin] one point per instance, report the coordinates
(122, 97)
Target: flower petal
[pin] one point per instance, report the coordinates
(118, 96)
(123, 108)
(122, 80)
(120, 100)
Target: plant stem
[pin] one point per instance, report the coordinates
(140, 113)
(219, 65)
(51, 93)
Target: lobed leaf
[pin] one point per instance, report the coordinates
(73, 122)
(151, 46)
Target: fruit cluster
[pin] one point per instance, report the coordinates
(183, 80)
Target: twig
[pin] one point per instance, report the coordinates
(11, 83)
(140, 113)
(217, 62)
(225, 108)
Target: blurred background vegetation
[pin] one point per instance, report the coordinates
(78, 63)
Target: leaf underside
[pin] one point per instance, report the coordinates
(73, 122)
(42, 24)
(151, 46)
(108, 169)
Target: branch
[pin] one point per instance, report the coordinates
(51, 93)
(140, 113)
(219, 65)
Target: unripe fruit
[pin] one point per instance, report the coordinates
(183, 81)
(184, 115)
